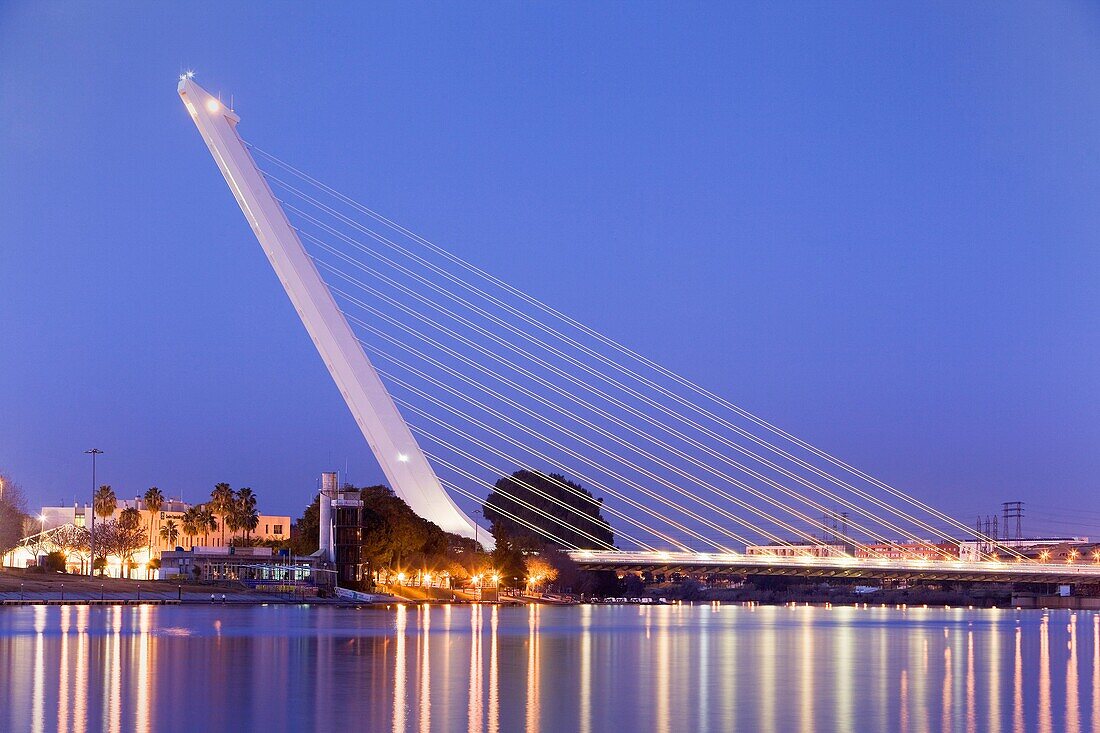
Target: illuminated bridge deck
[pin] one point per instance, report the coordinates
(840, 567)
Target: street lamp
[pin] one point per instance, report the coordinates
(479, 513)
(41, 532)
(91, 532)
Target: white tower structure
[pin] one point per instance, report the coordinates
(329, 490)
(404, 464)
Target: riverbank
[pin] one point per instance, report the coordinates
(20, 587)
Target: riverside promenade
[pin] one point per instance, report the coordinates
(19, 587)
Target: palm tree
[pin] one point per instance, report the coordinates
(252, 521)
(248, 518)
(221, 501)
(170, 532)
(190, 523)
(154, 502)
(104, 502)
(130, 519)
(233, 520)
(246, 497)
(207, 522)
(130, 523)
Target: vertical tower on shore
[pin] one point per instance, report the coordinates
(329, 487)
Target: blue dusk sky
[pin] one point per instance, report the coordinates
(875, 224)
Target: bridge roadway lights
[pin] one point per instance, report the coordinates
(839, 567)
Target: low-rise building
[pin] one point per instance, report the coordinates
(261, 568)
(270, 528)
(804, 550)
(1032, 548)
(928, 550)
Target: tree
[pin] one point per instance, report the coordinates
(13, 512)
(191, 524)
(393, 532)
(233, 519)
(170, 532)
(55, 561)
(104, 502)
(121, 538)
(518, 505)
(221, 501)
(540, 572)
(508, 561)
(154, 502)
(248, 518)
(129, 519)
(131, 537)
(306, 533)
(246, 498)
(207, 522)
(71, 539)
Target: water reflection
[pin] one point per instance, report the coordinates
(491, 669)
(425, 668)
(534, 704)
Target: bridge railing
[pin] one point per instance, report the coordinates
(1086, 571)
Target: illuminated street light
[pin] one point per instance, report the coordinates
(91, 531)
(1044, 555)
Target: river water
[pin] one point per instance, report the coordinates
(550, 669)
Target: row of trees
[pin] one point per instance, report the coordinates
(121, 538)
(229, 511)
(235, 511)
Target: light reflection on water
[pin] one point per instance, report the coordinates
(489, 669)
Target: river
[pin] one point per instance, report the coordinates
(551, 669)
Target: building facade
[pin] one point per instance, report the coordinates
(807, 550)
(271, 528)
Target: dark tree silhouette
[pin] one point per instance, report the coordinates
(509, 510)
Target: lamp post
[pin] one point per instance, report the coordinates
(91, 532)
(41, 532)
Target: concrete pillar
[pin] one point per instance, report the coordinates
(328, 492)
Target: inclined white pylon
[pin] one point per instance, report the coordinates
(404, 464)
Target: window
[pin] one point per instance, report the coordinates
(278, 529)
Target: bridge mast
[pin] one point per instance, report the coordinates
(397, 451)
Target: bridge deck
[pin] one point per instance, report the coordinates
(841, 567)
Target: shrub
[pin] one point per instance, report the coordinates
(55, 562)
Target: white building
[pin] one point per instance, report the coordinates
(270, 528)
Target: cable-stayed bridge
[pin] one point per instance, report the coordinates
(457, 379)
